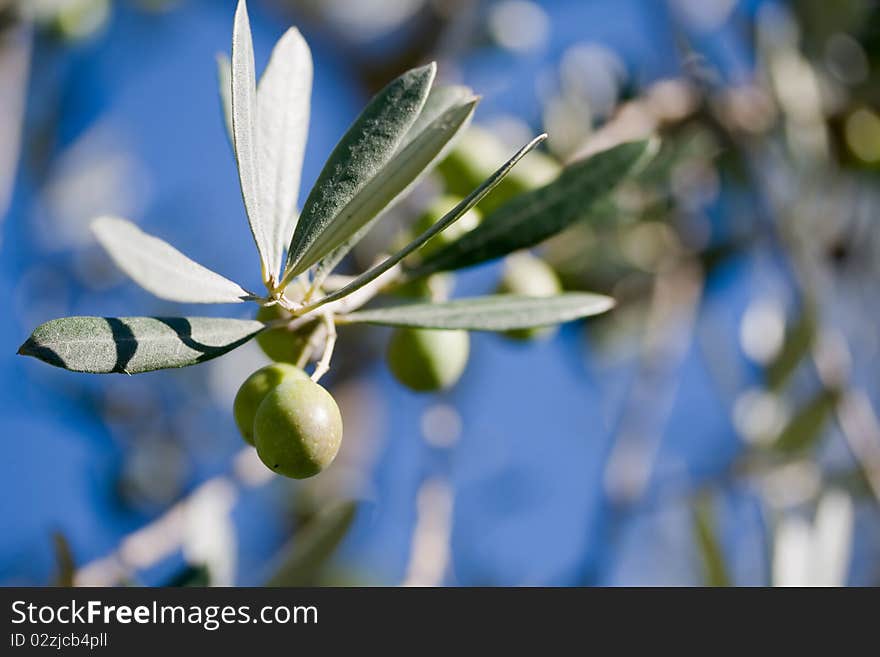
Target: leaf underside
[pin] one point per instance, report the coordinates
(161, 269)
(361, 153)
(244, 131)
(131, 345)
(500, 312)
(530, 218)
(224, 86)
(283, 98)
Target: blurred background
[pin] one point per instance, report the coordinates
(719, 427)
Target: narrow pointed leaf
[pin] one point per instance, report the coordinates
(444, 118)
(283, 98)
(244, 130)
(361, 154)
(130, 345)
(715, 570)
(303, 558)
(531, 218)
(500, 312)
(224, 89)
(161, 269)
(439, 226)
(441, 98)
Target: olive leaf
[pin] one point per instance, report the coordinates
(531, 218)
(304, 557)
(244, 132)
(283, 98)
(135, 344)
(65, 562)
(439, 226)
(161, 269)
(807, 426)
(799, 339)
(409, 165)
(501, 312)
(224, 87)
(715, 571)
(441, 98)
(334, 209)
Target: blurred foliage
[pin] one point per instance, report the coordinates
(305, 559)
(710, 549)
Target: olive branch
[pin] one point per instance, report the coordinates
(402, 134)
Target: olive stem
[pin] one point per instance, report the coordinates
(311, 345)
(323, 365)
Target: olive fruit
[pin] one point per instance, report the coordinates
(436, 287)
(297, 429)
(434, 212)
(255, 388)
(281, 344)
(425, 359)
(527, 275)
(475, 158)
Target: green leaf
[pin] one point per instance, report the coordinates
(244, 131)
(224, 87)
(283, 98)
(130, 345)
(532, 217)
(446, 114)
(441, 98)
(715, 572)
(500, 312)
(306, 555)
(161, 269)
(439, 226)
(807, 427)
(64, 560)
(796, 346)
(336, 207)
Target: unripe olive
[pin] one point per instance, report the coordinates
(527, 275)
(426, 360)
(475, 158)
(436, 287)
(434, 212)
(298, 429)
(254, 390)
(281, 344)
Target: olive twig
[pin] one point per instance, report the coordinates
(311, 345)
(324, 364)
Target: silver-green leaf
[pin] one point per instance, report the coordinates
(410, 164)
(224, 89)
(330, 209)
(283, 98)
(501, 312)
(131, 345)
(531, 218)
(441, 98)
(245, 134)
(161, 269)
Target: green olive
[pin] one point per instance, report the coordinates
(255, 388)
(475, 158)
(434, 212)
(435, 287)
(298, 429)
(282, 344)
(527, 275)
(426, 360)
